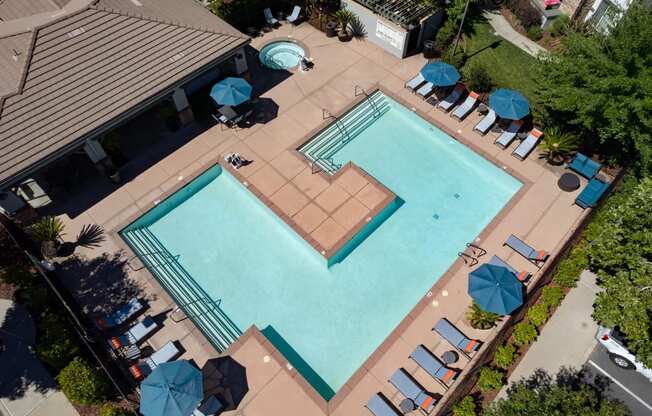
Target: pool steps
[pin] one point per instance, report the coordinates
(321, 149)
(193, 300)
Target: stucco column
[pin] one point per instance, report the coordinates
(183, 106)
(240, 60)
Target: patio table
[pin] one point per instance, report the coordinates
(568, 182)
(407, 405)
(449, 357)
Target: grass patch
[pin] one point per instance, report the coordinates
(508, 66)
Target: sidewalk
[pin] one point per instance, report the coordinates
(26, 388)
(569, 336)
(505, 30)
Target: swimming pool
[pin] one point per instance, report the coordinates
(328, 320)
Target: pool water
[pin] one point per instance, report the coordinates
(328, 320)
(281, 55)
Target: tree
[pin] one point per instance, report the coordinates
(570, 393)
(81, 383)
(599, 86)
(621, 254)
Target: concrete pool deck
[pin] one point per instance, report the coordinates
(540, 213)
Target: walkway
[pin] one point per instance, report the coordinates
(554, 348)
(505, 30)
(26, 388)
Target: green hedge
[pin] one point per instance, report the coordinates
(56, 342)
(490, 379)
(81, 383)
(524, 333)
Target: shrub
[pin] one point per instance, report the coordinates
(55, 343)
(490, 379)
(32, 292)
(465, 407)
(480, 319)
(538, 314)
(524, 333)
(569, 269)
(535, 33)
(109, 409)
(81, 383)
(558, 144)
(47, 229)
(560, 26)
(552, 296)
(505, 355)
(526, 12)
(445, 34)
(478, 78)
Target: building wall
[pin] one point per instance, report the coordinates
(381, 32)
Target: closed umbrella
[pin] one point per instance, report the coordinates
(495, 289)
(172, 389)
(231, 91)
(441, 74)
(509, 104)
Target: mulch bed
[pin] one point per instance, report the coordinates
(7, 291)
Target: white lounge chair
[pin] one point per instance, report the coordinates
(528, 144)
(135, 334)
(163, 355)
(426, 89)
(487, 121)
(415, 82)
(271, 20)
(508, 135)
(448, 102)
(295, 15)
(465, 108)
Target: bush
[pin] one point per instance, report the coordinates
(560, 26)
(569, 269)
(445, 35)
(109, 409)
(526, 12)
(81, 383)
(538, 314)
(552, 296)
(535, 33)
(505, 355)
(490, 379)
(47, 229)
(524, 333)
(465, 407)
(478, 78)
(56, 345)
(480, 319)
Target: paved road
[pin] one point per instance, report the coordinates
(626, 385)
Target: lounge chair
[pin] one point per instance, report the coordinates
(523, 276)
(508, 135)
(592, 193)
(465, 108)
(487, 121)
(448, 102)
(378, 405)
(294, 17)
(271, 20)
(583, 165)
(528, 144)
(536, 257)
(120, 316)
(135, 334)
(415, 82)
(455, 337)
(163, 355)
(412, 390)
(426, 89)
(433, 366)
(209, 407)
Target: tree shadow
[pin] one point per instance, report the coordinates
(100, 284)
(21, 371)
(568, 377)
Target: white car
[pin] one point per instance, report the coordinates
(613, 341)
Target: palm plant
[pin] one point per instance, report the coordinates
(47, 229)
(557, 145)
(481, 319)
(344, 18)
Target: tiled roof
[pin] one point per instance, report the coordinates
(89, 67)
(15, 9)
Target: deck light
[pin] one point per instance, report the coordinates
(444, 292)
(267, 359)
(435, 303)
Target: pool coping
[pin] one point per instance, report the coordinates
(253, 332)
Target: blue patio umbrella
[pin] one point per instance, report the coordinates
(231, 91)
(509, 104)
(172, 389)
(441, 74)
(495, 289)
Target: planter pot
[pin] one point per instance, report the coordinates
(557, 160)
(66, 249)
(331, 29)
(49, 249)
(344, 36)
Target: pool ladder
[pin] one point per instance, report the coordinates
(358, 90)
(472, 259)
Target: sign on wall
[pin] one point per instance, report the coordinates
(390, 35)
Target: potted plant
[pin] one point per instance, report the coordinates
(481, 319)
(557, 145)
(48, 230)
(344, 18)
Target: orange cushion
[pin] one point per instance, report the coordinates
(135, 371)
(115, 342)
(473, 94)
(522, 276)
(470, 345)
(449, 375)
(542, 255)
(536, 133)
(426, 403)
